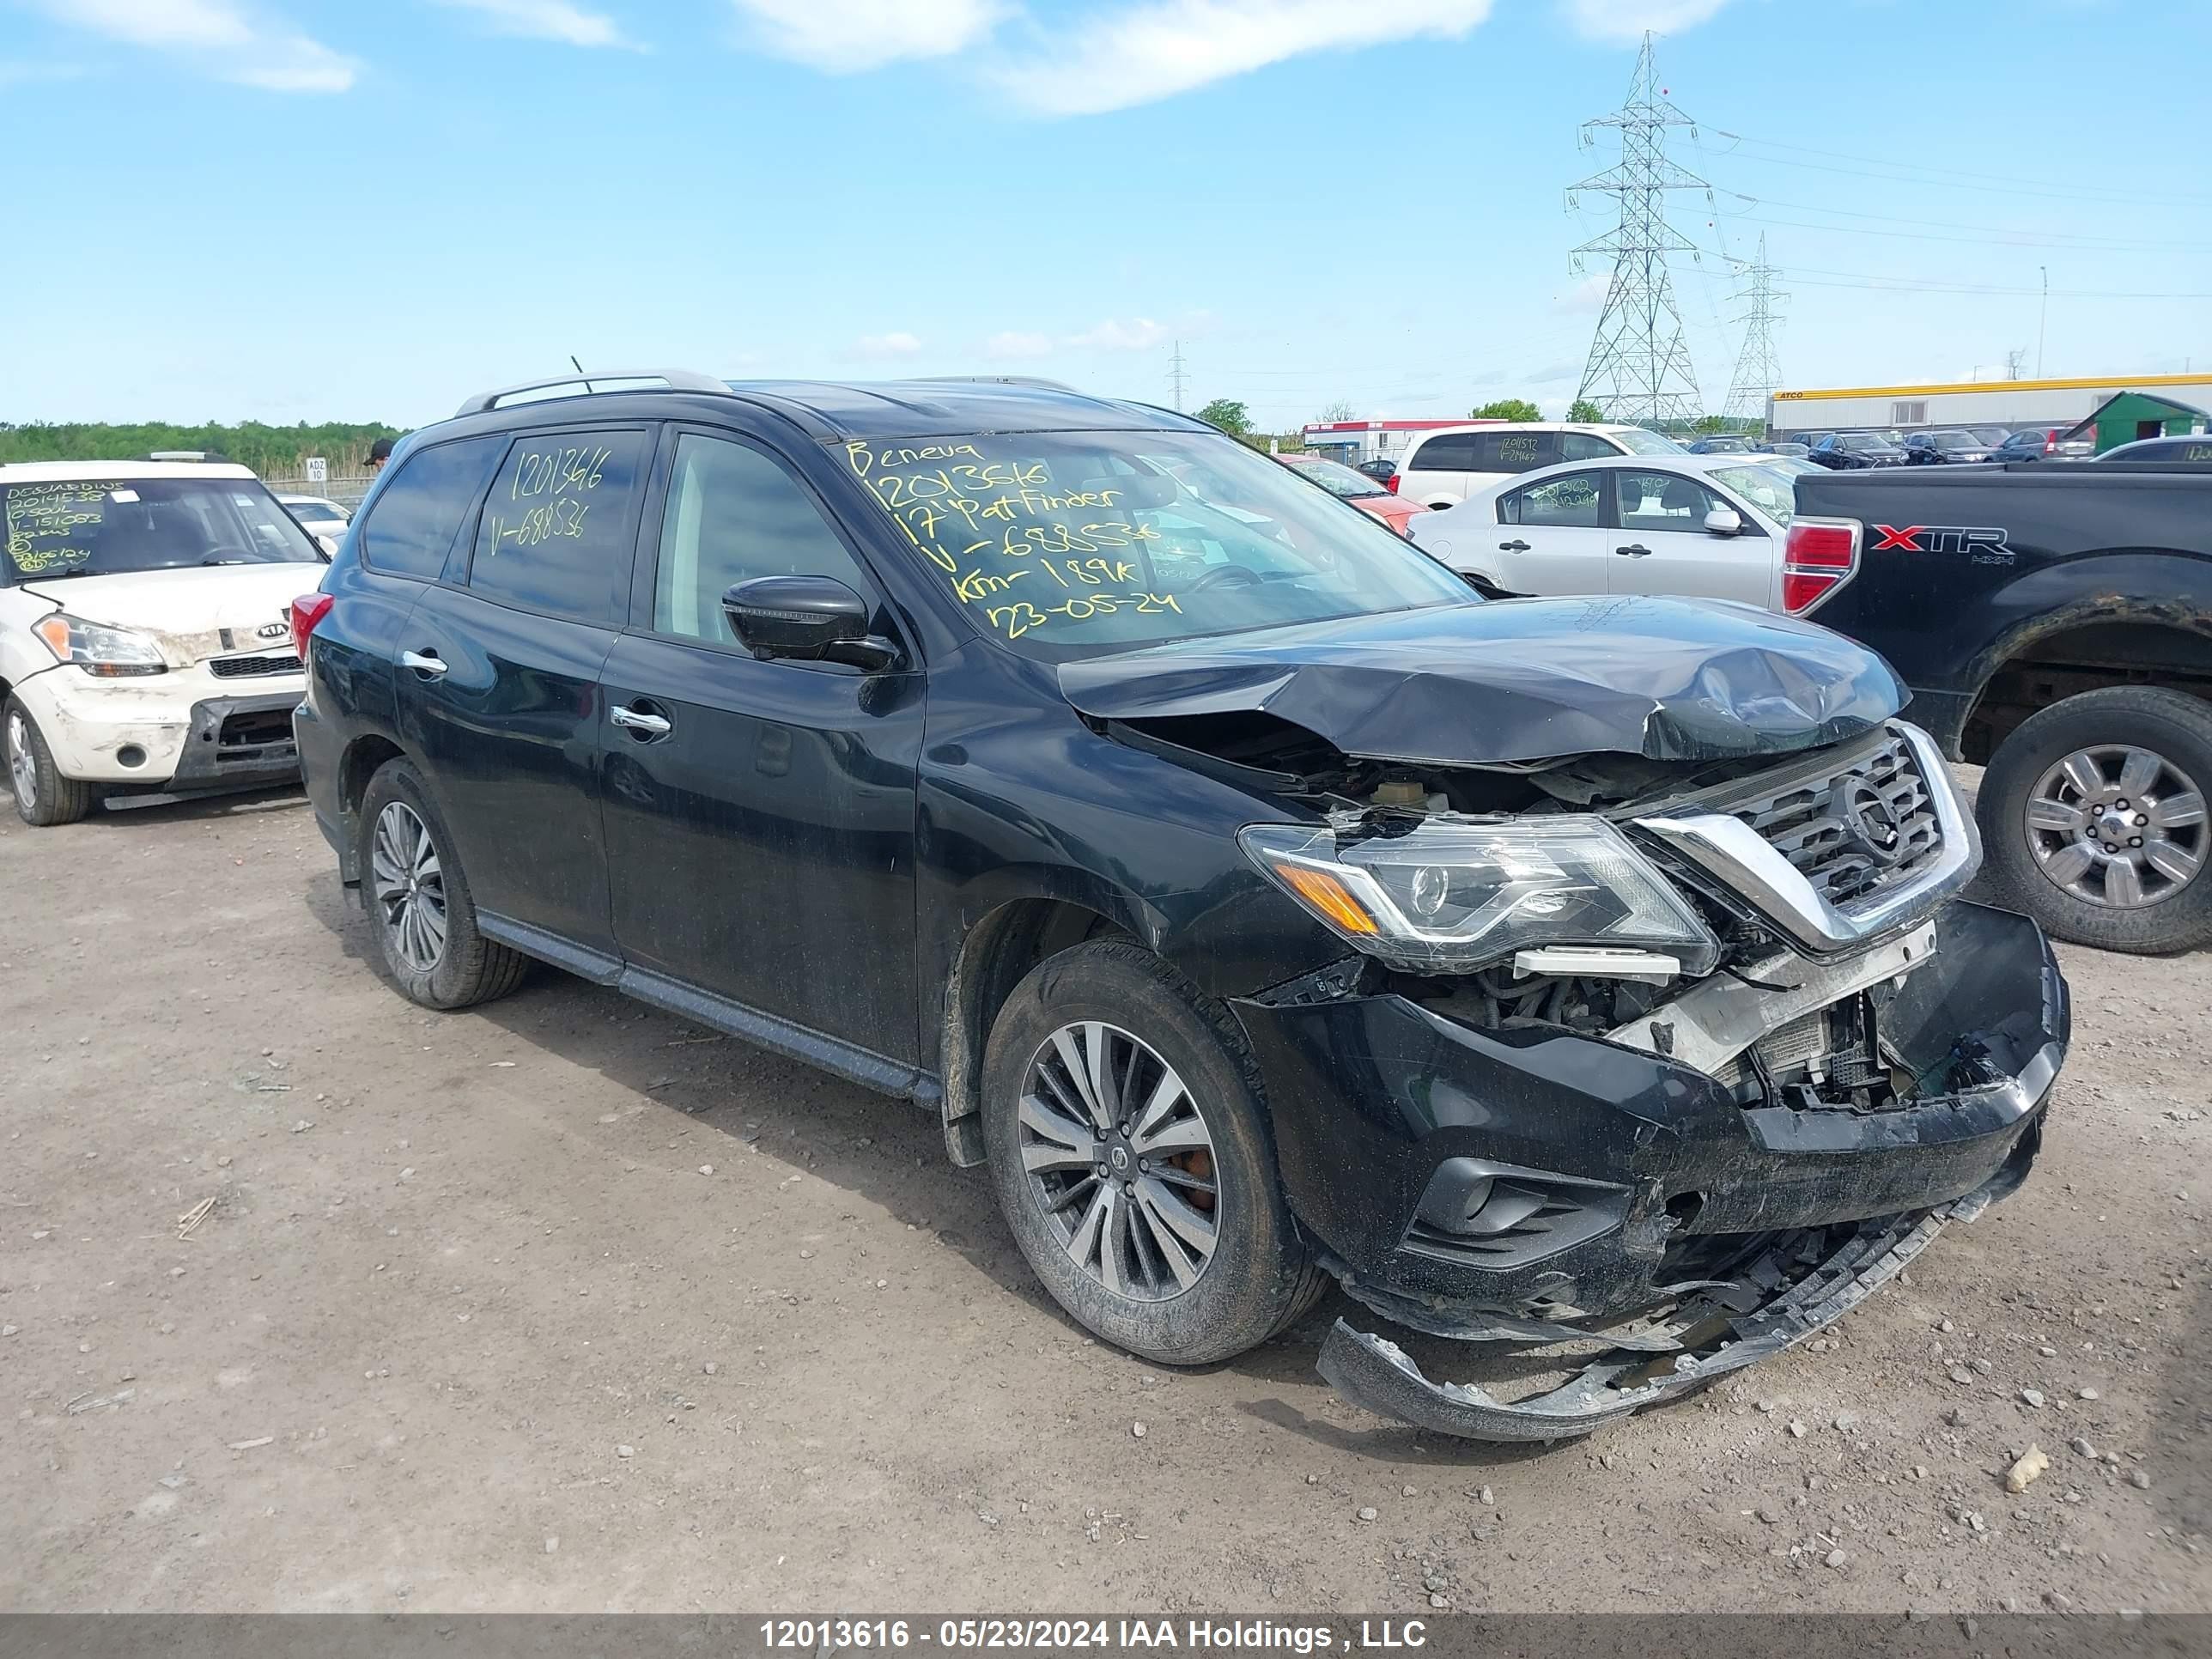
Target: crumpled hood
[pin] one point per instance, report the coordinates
(1519, 680)
(189, 611)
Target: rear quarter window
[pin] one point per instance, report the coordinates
(411, 528)
(1452, 453)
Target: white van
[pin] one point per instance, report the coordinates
(1445, 467)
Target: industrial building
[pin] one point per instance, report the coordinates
(1983, 402)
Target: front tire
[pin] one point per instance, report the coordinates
(1132, 1158)
(417, 897)
(44, 798)
(2093, 816)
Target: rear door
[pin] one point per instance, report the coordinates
(1662, 544)
(500, 682)
(760, 815)
(1552, 537)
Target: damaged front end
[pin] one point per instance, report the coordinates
(1641, 1070)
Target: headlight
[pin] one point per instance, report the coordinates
(110, 653)
(1450, 898)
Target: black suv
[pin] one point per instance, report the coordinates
(1265, 909)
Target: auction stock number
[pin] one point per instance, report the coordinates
(814, 1634)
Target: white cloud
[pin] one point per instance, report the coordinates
(1625, 21)
(227, 42)
(1587, 295)
(1015, 344)
(1138, 53)
(548, 19)
(846, 36)
(1138, 334)
(898, 343)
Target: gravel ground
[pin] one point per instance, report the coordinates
(565, 1304)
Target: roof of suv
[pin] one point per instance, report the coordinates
(69, 471)
(843, 410)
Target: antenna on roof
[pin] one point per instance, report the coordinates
(578, 367)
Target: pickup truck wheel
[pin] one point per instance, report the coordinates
(2092, 813)
(418, 902)
(1132, 1158)
(43, 796)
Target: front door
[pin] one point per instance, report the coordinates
(1662, 545)
(760, 815)
(500, 679)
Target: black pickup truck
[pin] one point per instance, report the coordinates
(2054, 625)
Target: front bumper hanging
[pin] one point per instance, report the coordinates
(1797, 1287)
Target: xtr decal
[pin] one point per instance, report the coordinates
(1984, 545)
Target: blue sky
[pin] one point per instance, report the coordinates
(286, 210)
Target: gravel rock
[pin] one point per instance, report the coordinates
(2032, 1397)
(1838, 1559)
(1960, 1374)
(1846, 1422)
(2032, 1462)
(2082, 1448)
(1796, 1430)
(1368, 1512)
(2086, 1394)
(2138, 1480)
(1136, 1430)
(625, 1451)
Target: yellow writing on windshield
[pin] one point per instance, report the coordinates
(50, 525)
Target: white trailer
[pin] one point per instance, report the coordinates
(2008, 403)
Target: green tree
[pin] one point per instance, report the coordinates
(272, 451)
(1507, 409)
(1229, 415)
(1584, 412)
(1706, 425)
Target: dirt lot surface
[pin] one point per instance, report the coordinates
(565, 1304)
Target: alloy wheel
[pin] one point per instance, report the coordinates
(2119, 826)
(409, 885)
(22, 764)
(1120, 1160)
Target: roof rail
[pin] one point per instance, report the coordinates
(627, 379)
(1035, 381)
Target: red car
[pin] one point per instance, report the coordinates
(1362, 491)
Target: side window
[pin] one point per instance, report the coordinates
(1452, 453)
(420, 510)
(733, 515)
(1563, 503)
(1514, 451)
(555, 533)
(1585, 446)
(1662, 501)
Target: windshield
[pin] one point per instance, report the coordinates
(1637, 441)
(1338, 480)
(103, 526)
(1074, 542)
(1769, 488)
(1957, 440)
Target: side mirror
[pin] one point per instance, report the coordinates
(807, 619)
(1724, 521)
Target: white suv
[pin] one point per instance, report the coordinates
(1447, 467)
(145, 635)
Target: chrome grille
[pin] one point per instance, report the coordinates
(239, 668)
(1831, 829)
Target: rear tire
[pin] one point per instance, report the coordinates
(44, 797)
(2031, 860)
(417, 897)
(1158, 1298)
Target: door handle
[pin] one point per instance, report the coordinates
(639, 719)
(1512, 547)
(427, 664)
(1634, 550)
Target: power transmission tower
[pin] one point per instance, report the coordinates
(1175, 375)
(1639, 364)
(1758, 369)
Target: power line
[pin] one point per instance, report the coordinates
(2088, 243)
(2112, 198)
(1640, 363)
(2013, 239)
(1175, 376)
(1758, 369)
(2008, 181)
